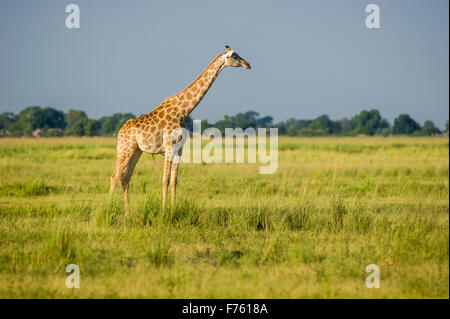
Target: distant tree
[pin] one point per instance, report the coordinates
(225, 123)
(300, 124)
(265, 121)
(6, 119)
(292, 127)
(383, 126)
(92, 128)
(107, 126)
(446, 127)
(336, 127)
(404, 124)
(244, 121)
(321, 126)
(26, 121)
(366, 122)
(292, 130)
(73, 116)
(322, 123)
(429, 129)
(79, 127)
(385, 132)
(282, 129)
(346, 125)
(52, 118)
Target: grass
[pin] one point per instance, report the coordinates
(334, 206)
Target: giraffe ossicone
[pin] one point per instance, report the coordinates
(160, 131)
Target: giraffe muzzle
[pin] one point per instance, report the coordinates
(245, 64)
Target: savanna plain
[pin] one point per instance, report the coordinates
(334, 206)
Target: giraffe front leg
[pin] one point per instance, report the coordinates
(173, 182)
(174, 174)
(125, 199)
(167, 167)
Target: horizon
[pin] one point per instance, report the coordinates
(308, 58)
(274, 122)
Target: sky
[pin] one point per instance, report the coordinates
(308, 58)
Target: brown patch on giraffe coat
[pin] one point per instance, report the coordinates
(161, 124)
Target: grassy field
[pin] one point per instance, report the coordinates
(335, 206)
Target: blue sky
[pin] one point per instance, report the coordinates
(308, 57)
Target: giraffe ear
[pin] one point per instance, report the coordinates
(228, 48)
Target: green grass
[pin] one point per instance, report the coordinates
(334, 206)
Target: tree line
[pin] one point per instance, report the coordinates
(50, 122)
(38, 121)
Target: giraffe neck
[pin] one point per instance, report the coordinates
(191, 96)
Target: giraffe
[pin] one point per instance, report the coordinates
(159, 131)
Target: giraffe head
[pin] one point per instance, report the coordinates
(233, 59)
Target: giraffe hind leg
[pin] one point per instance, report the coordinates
(125, 151)
(117, 174)
(119, 170)
(126, 177)
(114, 179)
